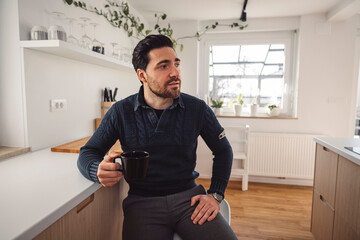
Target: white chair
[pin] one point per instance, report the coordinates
(224, 211)
(238, 137)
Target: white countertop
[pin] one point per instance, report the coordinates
(38, 188)
(337, 145)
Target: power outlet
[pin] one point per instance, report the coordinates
(58, 105)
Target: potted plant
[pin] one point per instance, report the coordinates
(216, 105)
(274, 110)
(238, 105)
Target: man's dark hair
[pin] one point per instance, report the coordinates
(140, 57)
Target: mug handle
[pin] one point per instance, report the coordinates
(118, 160)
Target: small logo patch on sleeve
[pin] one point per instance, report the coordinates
(222, 134)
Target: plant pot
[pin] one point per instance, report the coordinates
(217, 111)
(253, 109)
(237, 109)
(275, 112)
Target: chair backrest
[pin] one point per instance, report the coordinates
(224, 211)
(238, 137)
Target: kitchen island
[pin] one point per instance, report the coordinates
(336, 196)
(44, 190)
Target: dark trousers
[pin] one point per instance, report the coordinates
(147, 218)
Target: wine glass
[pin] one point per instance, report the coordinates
(126, 55)
(95, 42)
(71, 38)
(114, 53)
(85, 40)
(56, 31)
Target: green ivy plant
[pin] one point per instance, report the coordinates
(119, 16)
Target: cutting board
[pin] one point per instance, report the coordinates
(74, 146)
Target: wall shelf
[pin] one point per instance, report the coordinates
(68, 50)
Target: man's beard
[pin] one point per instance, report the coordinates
(165, 92)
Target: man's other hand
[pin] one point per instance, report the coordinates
(108, 171)
(206, 210)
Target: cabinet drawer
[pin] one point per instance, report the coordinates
(325, 173)
(322, 218)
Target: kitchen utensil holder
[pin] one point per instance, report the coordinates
(105, 106)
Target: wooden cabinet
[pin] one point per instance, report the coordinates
(322, 218)
(347, 205)
(325, 174)
(324, 193)
(99, 216)
(336, 206)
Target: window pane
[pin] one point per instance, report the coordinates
(227, 69)
(275, 57)
(211, 71)
(271, 91)
(236, 69)
(253, 53)
(272, 70)
(254, 71)
(225, 53)
(272, 87)
(232, 87)
(211, 80)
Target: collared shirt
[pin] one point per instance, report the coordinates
(171, 142)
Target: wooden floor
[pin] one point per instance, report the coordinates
(269, 211)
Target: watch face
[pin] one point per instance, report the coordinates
(218, 197)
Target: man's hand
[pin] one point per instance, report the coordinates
(206, 210)
(108, 171)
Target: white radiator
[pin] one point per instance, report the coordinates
(281, 155)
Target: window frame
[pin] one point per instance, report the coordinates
(288, 37)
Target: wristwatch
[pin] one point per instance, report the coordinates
(217, 197)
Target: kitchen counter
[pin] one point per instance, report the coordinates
(337, 145)
(38, 188)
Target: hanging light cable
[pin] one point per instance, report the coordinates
(243, 13)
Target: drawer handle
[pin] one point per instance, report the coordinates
(85, 203)
(325, 149)
(322, 198)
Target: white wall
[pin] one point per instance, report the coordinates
(12, 124)
(188, 57)
(52, 77)
(26, 119)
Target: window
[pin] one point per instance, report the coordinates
(260, 66)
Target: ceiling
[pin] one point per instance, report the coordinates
(231, 9)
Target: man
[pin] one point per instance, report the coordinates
(165, 123)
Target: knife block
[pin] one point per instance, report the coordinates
(105, 106)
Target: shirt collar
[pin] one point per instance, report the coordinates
(140, 101)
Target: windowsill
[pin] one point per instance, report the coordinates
(258, 116)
